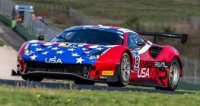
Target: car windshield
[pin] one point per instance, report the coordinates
(90, 36)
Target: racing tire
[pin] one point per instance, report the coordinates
(173, 76)
(123, 70)
(85, 82)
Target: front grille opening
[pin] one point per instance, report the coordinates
(78, 69)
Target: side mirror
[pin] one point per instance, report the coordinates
(140, 43)
(40, 37)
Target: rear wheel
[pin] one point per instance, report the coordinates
(173, 77)
(123, 70)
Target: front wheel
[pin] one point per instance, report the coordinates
(123, 70)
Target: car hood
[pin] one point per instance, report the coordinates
(63, 53)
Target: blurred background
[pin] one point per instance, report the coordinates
(173, 16)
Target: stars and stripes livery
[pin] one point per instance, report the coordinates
(97, 53)
(63, 53)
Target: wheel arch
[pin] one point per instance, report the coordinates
(168, 54)
(131, 56)
(180, 64)
(115, 53)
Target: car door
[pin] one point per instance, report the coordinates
(142, 65)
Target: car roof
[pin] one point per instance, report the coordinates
(113, 29)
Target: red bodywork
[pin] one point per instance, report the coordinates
(157, 77)
(147, 74)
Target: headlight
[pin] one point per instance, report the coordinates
(96, 55)
(26, 50)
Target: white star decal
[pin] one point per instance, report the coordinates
(60, 52)
(38, 49)
(79, 60)
(55, 48)
(33, 57)
(84, 49)
(45, 53)
(34, 44)
(71, 49)
(75, 54)
(99, 48)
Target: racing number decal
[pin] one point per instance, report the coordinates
(141, 72)
(137, 62)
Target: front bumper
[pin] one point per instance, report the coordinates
(66, 71)
(54, 75)
(68, 76)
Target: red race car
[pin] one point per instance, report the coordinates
(96, 53)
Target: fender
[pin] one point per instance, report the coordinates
(115, 53)
(21, 50)
(110, 60)
(168, 54)
(21, 65)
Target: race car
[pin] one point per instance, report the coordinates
(96, 53)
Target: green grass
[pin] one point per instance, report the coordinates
(151, 11)
(144, 15)
(22, 96)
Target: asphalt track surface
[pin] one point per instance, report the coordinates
(14, 40)
(83, 87)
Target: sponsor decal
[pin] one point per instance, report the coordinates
(103, 77)
(153, 64)
(143, 73)
(53, 60)
(107, 73)
(160, 64)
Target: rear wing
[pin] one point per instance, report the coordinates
(183, 37)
